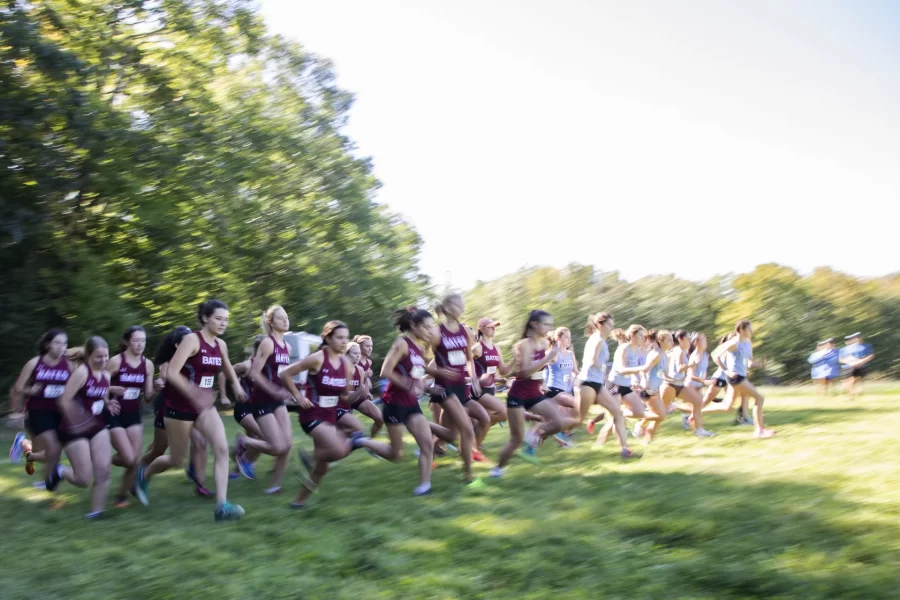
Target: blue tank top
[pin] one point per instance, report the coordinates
(654, 376)
(629, 359)
(589, 371)
(701, 366)
(738, 360)
(559, 374)
(676, 358)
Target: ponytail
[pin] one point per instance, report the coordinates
(533, 317)
(595, 322)
(619, 335)
(170, 342)
(206, 310)
(407, 318)
(80, 354)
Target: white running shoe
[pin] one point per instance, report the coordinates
(496, 472)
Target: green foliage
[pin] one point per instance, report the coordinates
(790, 313)
(155, 154)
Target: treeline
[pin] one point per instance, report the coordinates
(790, 313)
(154, 154)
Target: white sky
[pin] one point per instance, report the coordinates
(590, 126)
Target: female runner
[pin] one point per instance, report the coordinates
(190, 403)
(131, 375)
(532, 356)
(680, 374)
(366, 405)
(735, 357)
(268, 398)
(42, 381)
(329, 379)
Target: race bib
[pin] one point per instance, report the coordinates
(207, 382)
(417, 373)
(457, 358)
(538, 375)
(566, 377)
(132, 393)
(53, 391)
(328, 401)
(492, 370)
(97, 407)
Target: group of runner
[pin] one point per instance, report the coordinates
(86, 403)
(829, 362)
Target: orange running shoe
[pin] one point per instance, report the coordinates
(477, 456)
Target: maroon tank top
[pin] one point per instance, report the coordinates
(324, 391)
(529, 388)
(451, 354)
(355, 382)
(200, 370)
(488, 362)
(53, 378)
(92, 392)
(413, 366)
(132, 379)
(279, 360)
(366, 364)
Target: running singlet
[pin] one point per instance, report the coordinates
(365, 364)
(559, 374)
(701, 365)
(278, 361)
(53, 381)
(89, 401)
(200, 370)
(487, 363)
(529, 388)
(590, 371)
(132, 379)
(654, 376)
(630, 358)
(676, 358)
(324, 391)
(738, 360)
(413, 366)
(354, 385)
(451, 354)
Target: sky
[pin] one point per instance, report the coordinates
(692, 138)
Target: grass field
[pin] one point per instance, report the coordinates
(812, 513)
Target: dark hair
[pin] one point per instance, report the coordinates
(80, 354)
(534, 317)
(740, 326)
(694, 335)
(43, 345)
(126, 337)
(407, 318)
(595, 322)
(680, 335)
(166, 349)
(329, 329)
(256, 342)
(206, 309)
(725, 338)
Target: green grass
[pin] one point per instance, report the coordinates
(812, 513)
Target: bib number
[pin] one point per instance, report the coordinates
(537, 375)
(53, 391)
(457, 358)
(417, 372)
(566, 377)
(207, 381)
(97, 407)
(492, 370)
(132, 393)
(328, 401)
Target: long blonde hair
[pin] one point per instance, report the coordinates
(266, 320)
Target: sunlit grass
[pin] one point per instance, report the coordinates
(812, 513)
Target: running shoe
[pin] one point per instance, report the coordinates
(54, 478)
(140, 486)
(686, 421)
(747, 421)
(478, 456)
(244, 466)
(39, 485)
(452, 447)
(763, 434)
(563, 440)
(476, 484)
(202, 491)
(591, 426)
(357, 438)
(91, 516)
(527, 453)
(229, 512)
(121, 501)
(627, 453)
(422, 490)
(17, 449)
(496, 472)
(703, 433)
